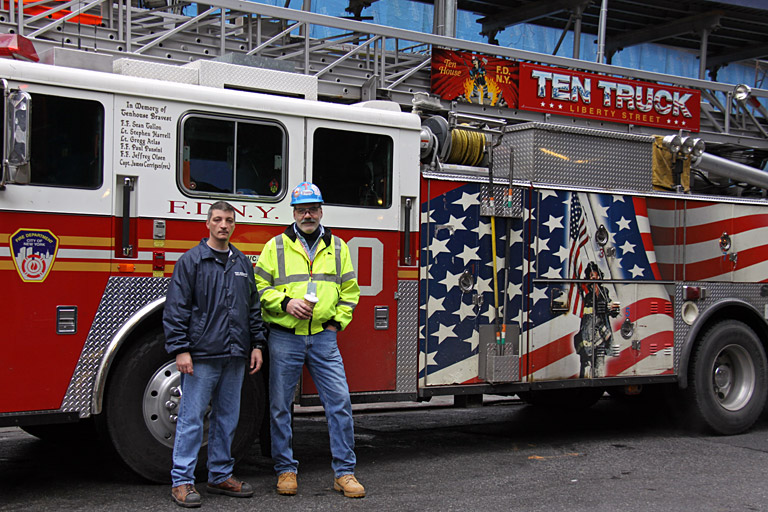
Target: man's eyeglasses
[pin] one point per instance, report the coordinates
(313, 210)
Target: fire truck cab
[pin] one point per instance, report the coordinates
(112, 177)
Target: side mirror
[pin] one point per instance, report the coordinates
(17, 135)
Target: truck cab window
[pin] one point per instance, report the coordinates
(67, 142)
(353, 168)
(223, 156)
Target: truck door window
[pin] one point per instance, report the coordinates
(353, 168)
(67, 141)
(223, 156)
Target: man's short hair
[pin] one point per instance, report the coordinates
(221, 206)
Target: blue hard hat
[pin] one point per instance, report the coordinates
(306, 192)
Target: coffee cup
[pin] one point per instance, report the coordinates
(310, 299)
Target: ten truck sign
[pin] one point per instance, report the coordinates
(486, 80)
(604, 98)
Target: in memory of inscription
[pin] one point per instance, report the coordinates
(145, 136)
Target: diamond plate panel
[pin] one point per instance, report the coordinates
(464, 174)
(716, 293)
(122, 297)
(219, 74)
(493, 366)
(575, 156)
(407, 334)
(155, 70)
(500, 208)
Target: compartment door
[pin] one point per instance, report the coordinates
(359, 172)
(56, 246)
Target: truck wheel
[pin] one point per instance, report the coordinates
(141, 403)
(728, 379)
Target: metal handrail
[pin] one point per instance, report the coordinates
(228, 26)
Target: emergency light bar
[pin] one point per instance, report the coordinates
(17, 47)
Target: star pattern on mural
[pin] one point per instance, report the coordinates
(458, 240)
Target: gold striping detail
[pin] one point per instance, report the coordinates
(80, 266)
(92, 241)
(149, 243)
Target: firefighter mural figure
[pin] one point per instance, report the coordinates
(479, 84)
(593, 341)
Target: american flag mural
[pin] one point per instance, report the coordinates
(577, 239)
(456, 239)
(693, 252)
(550, 246)
(566, 227)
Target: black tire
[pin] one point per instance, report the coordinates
(727, 379)
(138, 422)
(570, 399)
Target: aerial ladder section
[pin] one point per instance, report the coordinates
(351, 60)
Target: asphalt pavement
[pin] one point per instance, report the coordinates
(502, 456)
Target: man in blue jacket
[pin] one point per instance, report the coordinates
(213, 327)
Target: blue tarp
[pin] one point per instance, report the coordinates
(417, 16)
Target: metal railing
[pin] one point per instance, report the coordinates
(353, 60)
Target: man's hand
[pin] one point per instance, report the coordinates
(184, 363)
(256, 360)
(299, 309)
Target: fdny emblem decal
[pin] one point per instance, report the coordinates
(34, 251)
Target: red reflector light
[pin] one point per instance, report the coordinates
(692, 292)
(17, 47)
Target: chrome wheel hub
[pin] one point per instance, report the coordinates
(733, 377)
(160, 404)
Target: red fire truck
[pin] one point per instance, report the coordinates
(555, 258)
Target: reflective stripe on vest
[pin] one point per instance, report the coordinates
(283, 278)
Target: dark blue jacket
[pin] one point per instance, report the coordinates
(213, 310)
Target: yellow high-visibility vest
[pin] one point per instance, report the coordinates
(285, 270)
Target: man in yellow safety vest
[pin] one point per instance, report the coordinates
(308, 293)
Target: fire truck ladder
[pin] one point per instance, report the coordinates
(352, 60)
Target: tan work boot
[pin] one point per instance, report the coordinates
(286, 483)
(349, 485)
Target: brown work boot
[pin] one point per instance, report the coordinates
(231, 487)
(185, 495)
(286, 483)
(349, 485)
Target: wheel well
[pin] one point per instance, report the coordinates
(734, 311)
(146, 323)
(149, 323)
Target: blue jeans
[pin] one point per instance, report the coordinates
(217, 382)
(287, 355)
